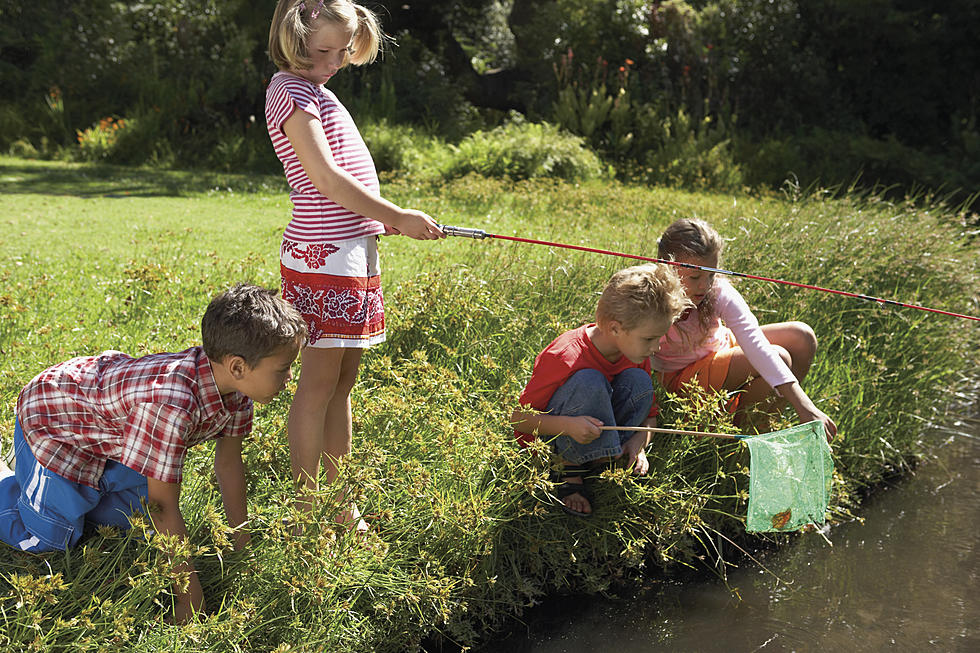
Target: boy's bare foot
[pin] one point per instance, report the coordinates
(575, 496)
(576, 501)
(642, 465)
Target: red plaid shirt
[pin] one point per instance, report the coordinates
(141, 412)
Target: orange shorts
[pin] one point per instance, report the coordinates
(709, 372)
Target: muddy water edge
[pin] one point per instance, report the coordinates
(903, 577)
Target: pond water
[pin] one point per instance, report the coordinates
(906, 579)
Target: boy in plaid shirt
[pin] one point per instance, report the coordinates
(96, 435)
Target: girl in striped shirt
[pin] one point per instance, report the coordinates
(329, 255)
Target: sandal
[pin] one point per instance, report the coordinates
(566, 488)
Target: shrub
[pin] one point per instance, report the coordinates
(693, 154)
(833, 158)
(405, 148)
(97, 142)
(524, 150)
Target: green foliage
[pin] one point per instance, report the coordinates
(186, 59)
(98, 142)
(606, 118)
(692, 154)
(464, 526)
(410, 84)
(190, 75)
(647, 140)
(839, 159)
(405, 148)
(524, 150)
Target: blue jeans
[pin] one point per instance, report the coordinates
(43, 511)
(624, 402)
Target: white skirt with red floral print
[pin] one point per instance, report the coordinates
(337, 288)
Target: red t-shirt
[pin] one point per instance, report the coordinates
(567, 354)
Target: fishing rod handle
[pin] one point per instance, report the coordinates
(463, 232)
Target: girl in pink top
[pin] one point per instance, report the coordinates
(329, 257)
(720, 344)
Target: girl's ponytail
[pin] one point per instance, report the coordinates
(294, 20)
(369, 40)
(287, 36)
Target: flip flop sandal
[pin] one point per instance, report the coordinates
(566, 489)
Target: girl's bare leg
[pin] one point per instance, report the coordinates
(795, 343)
(337, 431)
(319, 426)
(798, 339)
(742, 376)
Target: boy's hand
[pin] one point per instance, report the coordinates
(169, 520)
(418, 225)
(582, 429)
(634, 454)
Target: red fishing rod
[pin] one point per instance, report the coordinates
(480, 234)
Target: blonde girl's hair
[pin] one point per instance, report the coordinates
(294, 21)
(694, 238)
(641, 292)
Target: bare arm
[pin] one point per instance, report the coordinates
(170, 521)
(805, 408)
(230, 471)
(582, 429)
(305, 134)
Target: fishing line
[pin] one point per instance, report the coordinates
(480, 234)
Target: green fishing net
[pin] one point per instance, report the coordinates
(790, 476)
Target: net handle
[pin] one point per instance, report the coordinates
(654, 429)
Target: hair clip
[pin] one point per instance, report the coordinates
(315, 13)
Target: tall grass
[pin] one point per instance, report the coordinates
(464, 528)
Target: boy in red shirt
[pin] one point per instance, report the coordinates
(96, 435)
(598, 375)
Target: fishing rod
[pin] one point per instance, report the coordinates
(654, 429)
(480, 234)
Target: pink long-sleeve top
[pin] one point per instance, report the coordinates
(683, 343)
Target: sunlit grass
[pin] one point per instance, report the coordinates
(463, 528)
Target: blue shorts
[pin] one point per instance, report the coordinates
(42, 511)
(624, 402)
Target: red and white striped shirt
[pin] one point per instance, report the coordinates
(317, 218)
(141, 412)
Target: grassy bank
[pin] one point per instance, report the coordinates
(463, 531)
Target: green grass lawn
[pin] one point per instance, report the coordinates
(463, 532)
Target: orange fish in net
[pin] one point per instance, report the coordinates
(780, 519)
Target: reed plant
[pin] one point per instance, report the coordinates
(465, 531)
